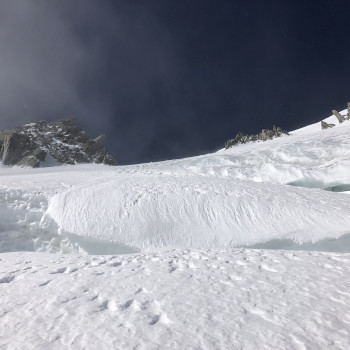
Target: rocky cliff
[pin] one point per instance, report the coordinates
(61, 141)
(265, 134)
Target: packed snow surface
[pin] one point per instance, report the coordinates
(190, 280)
(179, 299)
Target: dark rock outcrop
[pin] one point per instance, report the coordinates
(100, 138)
(265, 134)
(340, 117)
(13, 146)
(325, 125)
(65, 141)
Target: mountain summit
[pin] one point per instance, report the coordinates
(60, 142)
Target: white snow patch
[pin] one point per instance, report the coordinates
(179, 299)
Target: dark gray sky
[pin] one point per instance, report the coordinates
(168, 79)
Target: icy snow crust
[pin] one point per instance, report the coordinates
(235, 197)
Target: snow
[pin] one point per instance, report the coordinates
(316, 126)
(198, 212)
(177, 299)
(247, 195)
(174, 268)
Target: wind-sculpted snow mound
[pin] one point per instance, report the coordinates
(197, 212)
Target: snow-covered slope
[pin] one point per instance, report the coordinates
(240, 196)
(183, 299)
(188, 288)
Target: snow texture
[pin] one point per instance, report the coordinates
(187, 278)
(247, 195)
(179, 299)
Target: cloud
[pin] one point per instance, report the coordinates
(37, 64)
(99, 61)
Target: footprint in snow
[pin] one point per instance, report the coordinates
(107, 304)
(72, 269)
(154, 320)
(7, 279)
(162, 318)
(266, 268)
(45, 283)
(127, 304)
(98, 273)
(103, 306)
(61, 270)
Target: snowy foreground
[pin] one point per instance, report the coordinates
(180, 299)
(188, 278)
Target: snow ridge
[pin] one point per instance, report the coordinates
(247, 195)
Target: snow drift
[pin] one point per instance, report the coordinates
(199, 212)
(249, 194)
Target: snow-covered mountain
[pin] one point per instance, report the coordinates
(44, 144)
(249, 194)
(191, 281)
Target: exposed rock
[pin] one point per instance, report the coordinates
(13, 147)
(91, 147)
(338, 115)
(2, 138)
(63, 140)
(341, 118)
(40, 154)
(265, 134)
(325, 125)
(109, 160)
(29, 161)
(100, 138)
